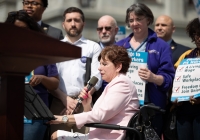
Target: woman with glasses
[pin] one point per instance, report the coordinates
(159, 73)
(43, 78)
(188, 112)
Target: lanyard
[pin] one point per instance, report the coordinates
(139, 46)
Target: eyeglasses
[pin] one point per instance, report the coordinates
(13, 13)
(32, 3)
(137, 20)
(106, 28)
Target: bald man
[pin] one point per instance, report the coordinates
(164, 28)
(107, 29)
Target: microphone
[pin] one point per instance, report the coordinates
(92, 82)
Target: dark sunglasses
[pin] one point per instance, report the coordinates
(13, 13)
(106, 28)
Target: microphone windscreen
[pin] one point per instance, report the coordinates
(93, 81)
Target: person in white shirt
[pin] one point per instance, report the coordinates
(72, 73)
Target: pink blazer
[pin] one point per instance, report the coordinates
(116, 105)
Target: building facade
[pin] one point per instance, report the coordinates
(181, 11)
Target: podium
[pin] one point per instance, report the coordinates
(22, 50)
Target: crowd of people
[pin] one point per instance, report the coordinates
(114, 98)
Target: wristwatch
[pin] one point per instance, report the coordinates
(65, 119)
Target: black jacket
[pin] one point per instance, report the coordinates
(52, 31)
(177, 50)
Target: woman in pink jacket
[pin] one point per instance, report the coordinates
(117, 104)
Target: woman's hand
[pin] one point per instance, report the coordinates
(194, 100)
(147, 75)
(51, 83)
(35, 80)
(176, 103)
(87, 99)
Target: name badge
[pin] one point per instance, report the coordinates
(28, 77)
(27, 121)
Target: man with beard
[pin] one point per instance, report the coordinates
(164, 28)
(71, 73)
(35, 9)
(106, 30)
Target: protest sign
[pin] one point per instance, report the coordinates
(187, 80)
(138, 60)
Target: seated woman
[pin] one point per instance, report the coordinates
(117, 104)
(44, 78)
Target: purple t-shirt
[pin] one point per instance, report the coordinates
(40, 89)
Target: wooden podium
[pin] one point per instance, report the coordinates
(21, 51)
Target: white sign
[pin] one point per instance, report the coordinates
(187, 80)
(139, 60)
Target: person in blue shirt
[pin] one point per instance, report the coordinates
(44, 77)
